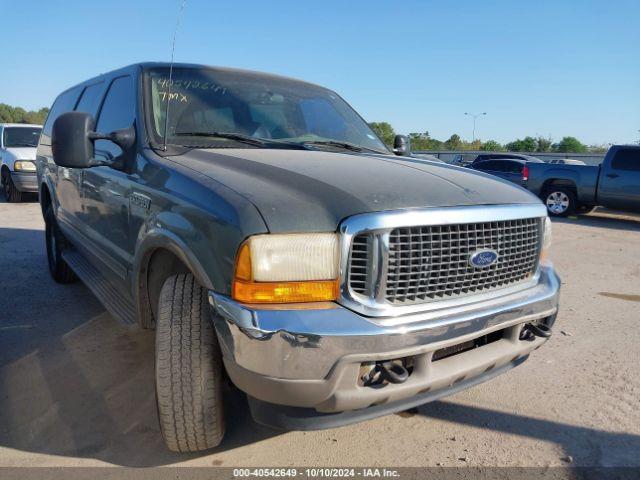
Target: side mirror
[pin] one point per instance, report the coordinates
(402, 146)
(70, 142)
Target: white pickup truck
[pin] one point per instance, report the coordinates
(18, 144)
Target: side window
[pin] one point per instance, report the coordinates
(499, 166)
(627, 160)
(514, 167)
(64, 103)
(491, 166)
(90, 99)
(118, 111)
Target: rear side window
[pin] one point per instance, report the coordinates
(489, 165)
(514, 167)
(627, 160)
(90, 100)
(118, 112)
(64, 103)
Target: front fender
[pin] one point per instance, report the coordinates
(205, 246)
(8, 159)
(163, 238)
(47, 183)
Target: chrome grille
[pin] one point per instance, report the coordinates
(430, 263)
(359, 265)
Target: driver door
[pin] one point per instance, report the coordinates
(106, 190)
(620, 181)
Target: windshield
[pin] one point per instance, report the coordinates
(256, 106)
(21, 136)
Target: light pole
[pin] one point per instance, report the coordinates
(474, 116)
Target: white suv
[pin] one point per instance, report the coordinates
(18, 144)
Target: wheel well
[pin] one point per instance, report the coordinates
(45, 199)
(161, 264)
(4, 170)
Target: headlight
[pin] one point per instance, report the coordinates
(287, 268)
(546, 238)
(24, 166)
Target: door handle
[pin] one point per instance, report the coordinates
(612, 175)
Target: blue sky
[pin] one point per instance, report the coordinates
(552, 68)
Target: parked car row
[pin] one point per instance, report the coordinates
(569, 186)
(568, 189)
(514, 169)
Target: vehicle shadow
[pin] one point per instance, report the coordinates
(605, 219)
(74, 382)
(33, 308)
(90, 394)
(586, 446)
(26, 198)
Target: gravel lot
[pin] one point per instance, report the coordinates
(76, 388)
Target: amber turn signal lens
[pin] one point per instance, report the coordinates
(285, 292)
(243, 264)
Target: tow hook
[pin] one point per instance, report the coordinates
(531, 330)
(389, 371)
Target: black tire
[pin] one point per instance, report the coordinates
(189, 368)
(56, 244)
(11, 193)
(560, 201)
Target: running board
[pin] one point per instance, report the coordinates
(117, 304)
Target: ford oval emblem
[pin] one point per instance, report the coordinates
(483, 258)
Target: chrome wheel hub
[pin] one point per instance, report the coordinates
(557, 202)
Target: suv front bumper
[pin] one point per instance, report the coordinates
(311, 358)
(25, 181)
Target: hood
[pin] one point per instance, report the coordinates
(21, 153)
(301, 190)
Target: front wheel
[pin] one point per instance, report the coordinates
(188, 368)
(11, 193)
(560, 201)
(56, 243)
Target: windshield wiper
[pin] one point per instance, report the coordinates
(21, 145)
(239, 137)
(346, 145)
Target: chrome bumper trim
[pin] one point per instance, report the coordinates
(25, 181)
(306, 344)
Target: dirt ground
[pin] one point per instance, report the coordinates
(76, 388)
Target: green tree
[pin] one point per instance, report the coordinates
(491, 146)
(475, 145)
(527, 144)
(423, 141)
(9, 114)
(570, 145)
(385, 131)
(543, 144)
(454, 142)
(598, 148)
